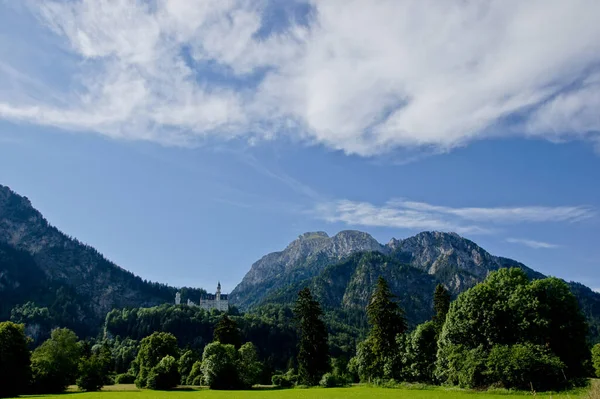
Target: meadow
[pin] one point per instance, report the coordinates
(354, 392)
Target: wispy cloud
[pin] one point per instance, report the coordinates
(362, 77)
(419, 215)
(532, 243)
(280, 176)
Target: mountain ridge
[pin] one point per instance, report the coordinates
(428, 251)
(92, 284)
(412, 266)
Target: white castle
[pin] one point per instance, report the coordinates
(209, 301)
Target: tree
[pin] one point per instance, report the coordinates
(386, 319)
(196, 376)
(186, 363)
(219, 366)
(504, 311)
(92, 373)
(15, 368)
(420, 352)
(55, 363)
(153, 349)
(227, 332)
(164, 375)
(525, 366)
(105, 360)
(313, 354)
(365, 364)
(123, 352)
(249, 367)
(596, 359)
(550, 316)
(441, 305)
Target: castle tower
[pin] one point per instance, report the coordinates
(218, 295)
(178, 298)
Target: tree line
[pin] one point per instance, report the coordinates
(505, 332)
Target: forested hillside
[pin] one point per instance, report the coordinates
(340, 272)
(50, 279)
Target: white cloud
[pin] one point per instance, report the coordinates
(422, 216)
(596, 290)
(532, 243)
(506, 214)
(363, 77)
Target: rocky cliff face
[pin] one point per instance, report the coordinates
(303, 258)
(93, 284)
(456, 261)
(453, 260)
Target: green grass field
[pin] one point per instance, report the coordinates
(356, 392)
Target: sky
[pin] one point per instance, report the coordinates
(186, 139)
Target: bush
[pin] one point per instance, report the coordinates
(125, 378)
(463, 367)
(195, 376)
(197, 381)
(329, 381)
(286, 380)
(596, 359)
(186, 362)
(525, 366)
(281, 381)
(109, 379)
(91, 374)
(164, 375)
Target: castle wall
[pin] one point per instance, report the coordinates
(209, 304)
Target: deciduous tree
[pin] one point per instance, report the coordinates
(15, 367)
(596, 359)
(153, 349)
(505, 311)
(55, 363)
(92, 374)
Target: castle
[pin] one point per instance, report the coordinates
(209, 301)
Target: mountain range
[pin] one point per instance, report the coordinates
(342, 271)
(48, 278)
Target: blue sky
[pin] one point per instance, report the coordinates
(185, 140)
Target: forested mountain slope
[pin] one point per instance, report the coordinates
(77, 284)
(341, 271)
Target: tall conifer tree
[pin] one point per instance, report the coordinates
(441, 305)
(386, 319)
(227, 332)
(313, 354)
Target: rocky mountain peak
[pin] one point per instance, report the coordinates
(432, 251)
(312, 235)
(350, 241)
(303, 257)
